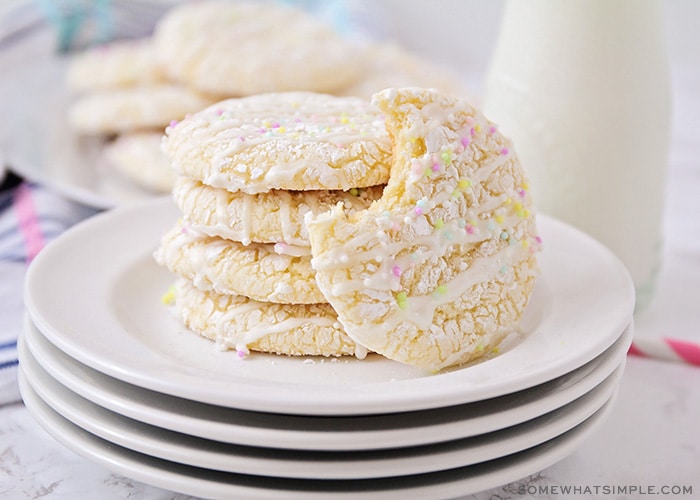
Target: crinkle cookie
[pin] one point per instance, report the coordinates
(138, 157)
(120, 63)
(291, 140)
(244, 48)
(441, 267)
(390, 65)
(272, 217)
(114, 111)
(235, 322)
(228, 267)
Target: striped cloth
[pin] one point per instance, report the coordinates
(30, 217)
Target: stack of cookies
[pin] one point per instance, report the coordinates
(322, 225)
(250, 171)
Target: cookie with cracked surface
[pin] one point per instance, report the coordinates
(137, 157)
(236, 322)
(299, 141)
(119, 110)
(273, 217)
(245, 48)
(442, 266)
(228, 267)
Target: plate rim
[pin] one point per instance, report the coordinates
(319, 440)
(330, 402)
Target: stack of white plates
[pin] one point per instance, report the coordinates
(109, 372)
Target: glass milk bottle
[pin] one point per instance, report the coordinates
(582, 87)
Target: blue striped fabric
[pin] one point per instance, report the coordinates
(52, 215)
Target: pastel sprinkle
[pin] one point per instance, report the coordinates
(469, 228)
(504, 235)
(465, 141)
(355, 192)
(169, 296)
(436, 167)
(446, 157)
(492, 130)
(418, 211)
(522, 193)
(441, 289)
(499, 219)
(401, 300)
(396, 271)
(464, 184)
(173, 123)
(439, 223)
(504, 151)
(477, 128)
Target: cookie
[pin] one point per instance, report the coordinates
(137, 157)
(235, 322)
(228, 267)
(245, 48)
(119, 110)
(119, 63)
(291, 140)
(272, 217)
(439, 269)
(391, 66)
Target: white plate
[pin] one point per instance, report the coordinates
(217, 484)
(333, 464)
(95, 293)
(360, 432)
(39, 145)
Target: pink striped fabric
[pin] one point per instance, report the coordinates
(28, 222)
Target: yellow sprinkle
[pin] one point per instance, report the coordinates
(439, 223)
(169, 296)
(526, 213)
(282, 130)
(524, 243)
(477, 128)
(344, 119)
(464, 184)
(499, 219)
(525, 186)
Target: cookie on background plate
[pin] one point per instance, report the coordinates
(137, 157)
(120, 63)
(128, 109)
(244, 48)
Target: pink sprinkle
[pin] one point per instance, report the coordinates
(504, 151)
(219, 112)
(522, 193)
(396, 271)
(436, 167)
(538, 239)
(276, 125)
(419, 211)
(492, 130)
(262, 130)
(241, 354)
(470, 229)
(473, 132)
(241, 138)
(173, 123)
(465, 140)
(183, 230)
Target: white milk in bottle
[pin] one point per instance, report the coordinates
(582, 88)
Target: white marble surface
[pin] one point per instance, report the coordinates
(650, 440)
